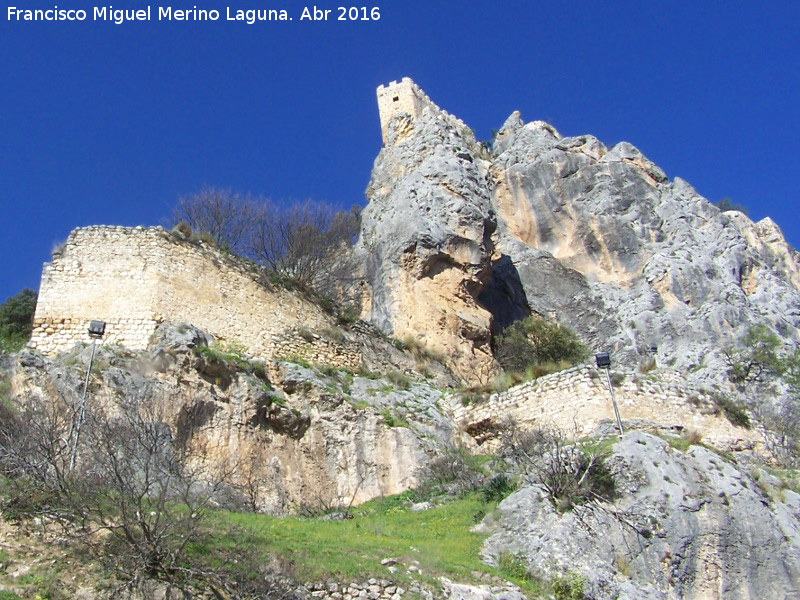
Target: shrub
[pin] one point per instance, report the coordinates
(692, 436)
(781, 421)
(309, 243)
(454, 472)
(399, 379)
(568, 475)
(512, 566)
(16, 320)
(306, 334)
(572, 586)
(648, 365)
(537, 341)
(419, 350)
(734, 411)
(497, 488)
(726, 205)
(390, 419)
(333, 334)
(473, 396)
(217, 216)
(756, 357)
(617, 378)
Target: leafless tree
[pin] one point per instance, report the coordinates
(35, 455)
(309, 244)
(223, 215)
(134, 500)
(780, 418)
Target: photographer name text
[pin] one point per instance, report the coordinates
(169, 13)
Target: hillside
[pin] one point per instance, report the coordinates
(217, 391)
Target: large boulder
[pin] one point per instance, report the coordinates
(685, 525)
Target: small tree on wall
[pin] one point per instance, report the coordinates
(307, 243)
(769, 374)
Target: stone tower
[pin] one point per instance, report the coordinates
(404, 97)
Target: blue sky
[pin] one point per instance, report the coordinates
(108, 124)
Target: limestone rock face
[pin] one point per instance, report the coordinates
(426, 239)
(686, 525)
(460, 242)
(641, 260)
(295, 439)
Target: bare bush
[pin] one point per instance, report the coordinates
(147, 497)
(35, 456)
(306, 245)
(309, 245)
(781, 421)
(545, 456)
(133, 499)
(454, 472)
(226, 217)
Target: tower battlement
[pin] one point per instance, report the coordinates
(405, 97)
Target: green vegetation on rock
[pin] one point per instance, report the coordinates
(16, 320)
(535, 346)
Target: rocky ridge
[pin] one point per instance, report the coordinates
(311, 440)
(460, 241)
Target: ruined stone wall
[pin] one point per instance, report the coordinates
(577, 400)
(135, 278)
(406, 97)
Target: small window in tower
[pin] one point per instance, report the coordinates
(396, 99)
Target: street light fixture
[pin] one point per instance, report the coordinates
(604, 362)
(97, 329)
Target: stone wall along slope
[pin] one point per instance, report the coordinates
(578, 401)
(135, 278)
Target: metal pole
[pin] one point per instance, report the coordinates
(81, 411)
(614, 401)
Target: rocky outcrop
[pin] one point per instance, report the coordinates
(426, 240)
(641, 260)
(685, 525)
(294, 438)
(459, 241)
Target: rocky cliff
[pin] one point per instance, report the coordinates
(460, 241)
(426, 240)
(296, 439)
(684, 525)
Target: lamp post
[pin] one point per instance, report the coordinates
(604, 362)
(96, 331)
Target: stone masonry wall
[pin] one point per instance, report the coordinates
(135, 278)
(578, 400)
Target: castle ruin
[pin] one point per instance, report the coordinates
(136, 278)
(406, 97)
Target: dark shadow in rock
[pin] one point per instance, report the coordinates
(190, 418)
(504, 297)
